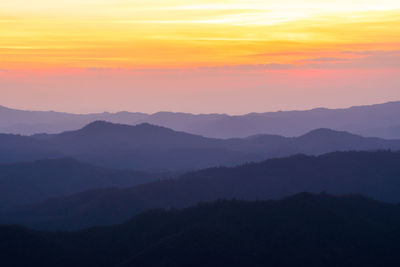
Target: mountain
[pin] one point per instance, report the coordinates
(379, 120)
(374, 174)
(101, 135)
(301, 230)
(14, 148)
(32, 182)
(153, 148)
(147, 147)
(32, 122)
(388, 132)
(359, 120)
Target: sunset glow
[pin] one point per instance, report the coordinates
(79, 36)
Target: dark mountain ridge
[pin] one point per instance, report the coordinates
(33, 182)
(374, 174)
(302, 230)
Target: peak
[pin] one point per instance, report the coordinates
(324, 132)
(97, 124)
(102, 125)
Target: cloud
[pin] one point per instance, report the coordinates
(279, 54)
(367, 62)
(103, 69)
(269, 66)
(376, 59)
(360, 60)
(3, 70)
(250, 67)
(373, 53)
(324, 59)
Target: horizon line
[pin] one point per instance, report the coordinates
(199, 114)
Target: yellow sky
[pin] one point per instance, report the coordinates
(153, 34)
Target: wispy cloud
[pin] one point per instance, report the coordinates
(361, 60)
(102, 69)
(269, 66)
(272, 54)
(324, 59)
(373, 52)
(369, 60)
(388, 59)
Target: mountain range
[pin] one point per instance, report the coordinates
(293, 188)
(373, 174)
(379, 120)
(301, 230)
(153, 148)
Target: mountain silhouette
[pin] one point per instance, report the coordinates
(154, 148)
(301, 230)
(104, 135)
(15, 148)
(373, 174)
(32, 182)
(379, 120)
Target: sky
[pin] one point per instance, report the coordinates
(200, 56)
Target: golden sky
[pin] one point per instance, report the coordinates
(168, 33)
(232, 56)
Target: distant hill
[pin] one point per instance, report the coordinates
(15, 148)
(363, 120)
(154, 148)
(28, 183)
(374, 174)
(379, 120)
(32, 122)
(302, 230)
(141, 147)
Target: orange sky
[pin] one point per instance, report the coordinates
(138, 45)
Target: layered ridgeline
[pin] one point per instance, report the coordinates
(375, 120)
(373, 174)
(302, 230)
(154, 148)
(28, 183)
